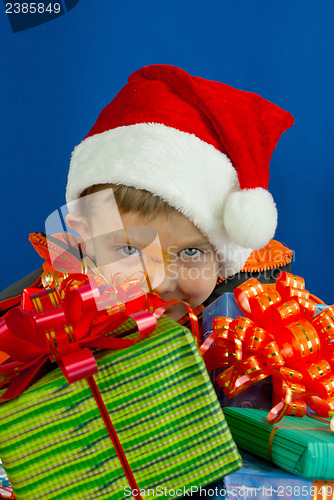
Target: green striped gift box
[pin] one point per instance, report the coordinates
(54, 445)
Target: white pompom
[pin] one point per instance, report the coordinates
(250, 217)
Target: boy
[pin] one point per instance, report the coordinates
(189, 159)
(149, 240)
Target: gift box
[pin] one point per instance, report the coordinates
(257, 396)
(302, 446)
(225, 305)
(54, 443)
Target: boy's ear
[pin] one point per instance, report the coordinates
(79, 224)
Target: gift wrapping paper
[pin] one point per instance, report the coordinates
(302, 446)
(53, 442)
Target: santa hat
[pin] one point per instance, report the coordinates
(202, 146)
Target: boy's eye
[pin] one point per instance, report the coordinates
(191, 252)
(129, 250)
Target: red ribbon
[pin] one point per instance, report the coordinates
(280, 337)
(65, 330)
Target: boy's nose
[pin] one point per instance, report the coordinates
(168, 284)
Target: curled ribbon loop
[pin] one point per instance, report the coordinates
(279, 337)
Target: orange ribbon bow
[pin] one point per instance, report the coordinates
(280, 336)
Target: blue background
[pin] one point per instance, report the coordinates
(56, 77)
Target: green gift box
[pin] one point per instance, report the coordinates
(54, 444)
(301, 446)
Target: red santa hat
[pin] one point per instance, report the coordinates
(202, 146)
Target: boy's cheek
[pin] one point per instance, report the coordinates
(199, 283)
(150, 274)
(202, 275)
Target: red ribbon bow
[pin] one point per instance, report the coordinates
(280, 336)
(64, 330)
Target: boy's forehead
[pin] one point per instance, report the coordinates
(102, 212)
(102, 200)
(172, 228)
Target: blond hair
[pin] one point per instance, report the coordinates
(131, 199)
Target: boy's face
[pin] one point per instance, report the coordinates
(168, 254)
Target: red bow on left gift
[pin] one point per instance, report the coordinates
(64, 324)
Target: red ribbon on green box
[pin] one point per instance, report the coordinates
(280, 336)
(64, 330)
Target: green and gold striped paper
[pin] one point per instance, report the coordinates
(54, 445)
